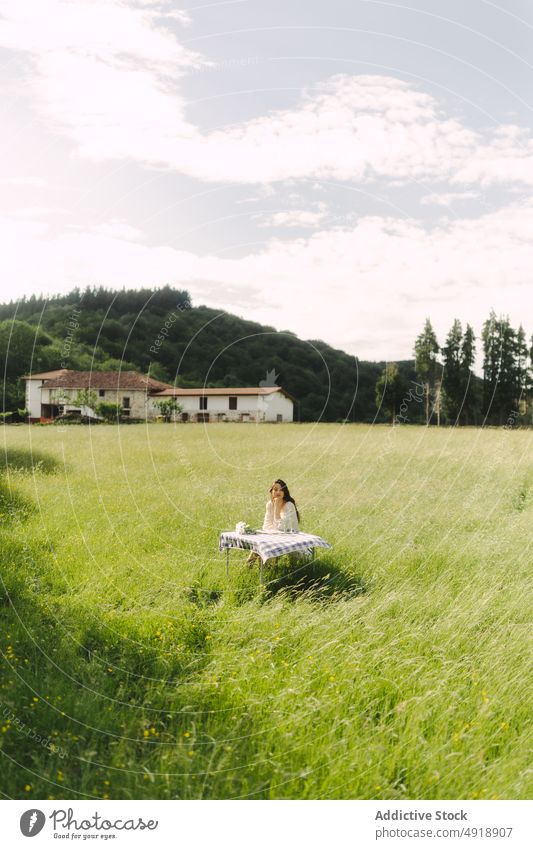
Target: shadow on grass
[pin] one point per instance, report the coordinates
(202, 596)
(200, 593)
(318, 580)
(19, 459)
(13, 507)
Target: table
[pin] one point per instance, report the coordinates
(268, 544)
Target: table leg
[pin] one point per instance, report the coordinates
(227, 562)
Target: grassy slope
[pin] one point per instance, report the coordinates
(397, 666)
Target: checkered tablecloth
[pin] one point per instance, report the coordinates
(269, 544)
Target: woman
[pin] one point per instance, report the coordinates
(281, 513)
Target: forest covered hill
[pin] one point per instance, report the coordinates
(159, 332)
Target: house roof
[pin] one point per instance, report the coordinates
(69, 379)
(45, 375)
(178, 391)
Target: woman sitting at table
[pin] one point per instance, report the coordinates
(281, 513)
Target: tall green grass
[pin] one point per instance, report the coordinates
(396, 665)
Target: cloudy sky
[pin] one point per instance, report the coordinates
(341, 169)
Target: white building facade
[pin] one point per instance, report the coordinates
(232, 404)
(52, 394)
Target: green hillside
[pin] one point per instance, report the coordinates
(161, 332)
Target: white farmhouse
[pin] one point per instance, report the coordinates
(231, 404)
(53, 393)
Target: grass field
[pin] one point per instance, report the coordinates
(396, 666)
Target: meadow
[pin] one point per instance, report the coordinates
(396, 665)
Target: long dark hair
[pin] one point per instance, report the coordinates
(286, 494)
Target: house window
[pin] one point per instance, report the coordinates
(233, 402)
(101, 393)
(126, 403)
(279, 417)
(203, 402)
(185, 417)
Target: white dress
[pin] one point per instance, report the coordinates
(288, 520)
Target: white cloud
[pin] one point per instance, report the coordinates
(32, 182)
(33, 212)
(179, 15)
(447, 198)
(108, 30)
(292, 218)
(365, 288)
(100, 73)
(109, 75)
(363, 128)
(113, 229)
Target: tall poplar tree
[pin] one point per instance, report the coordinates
(491, 337)
(502, 373)
(452, 378)
(522, 370)
(529, 385)
(457, 383)
(426, 362)
(468, 355)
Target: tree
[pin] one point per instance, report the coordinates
(452, 378)
(458, 358)
(12, 394)
(21, 348)
(503, 368)
(522, 370)
(491, 360)
(86, 398)
(167, 407)
(391, 389)
(230, 379)
(158, 372)
(468, 355)
(509, 382)
(109, 411)
(426, 363)
(529, 382)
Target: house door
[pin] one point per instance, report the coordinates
(49, 411)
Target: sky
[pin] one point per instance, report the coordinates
(339, 169)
